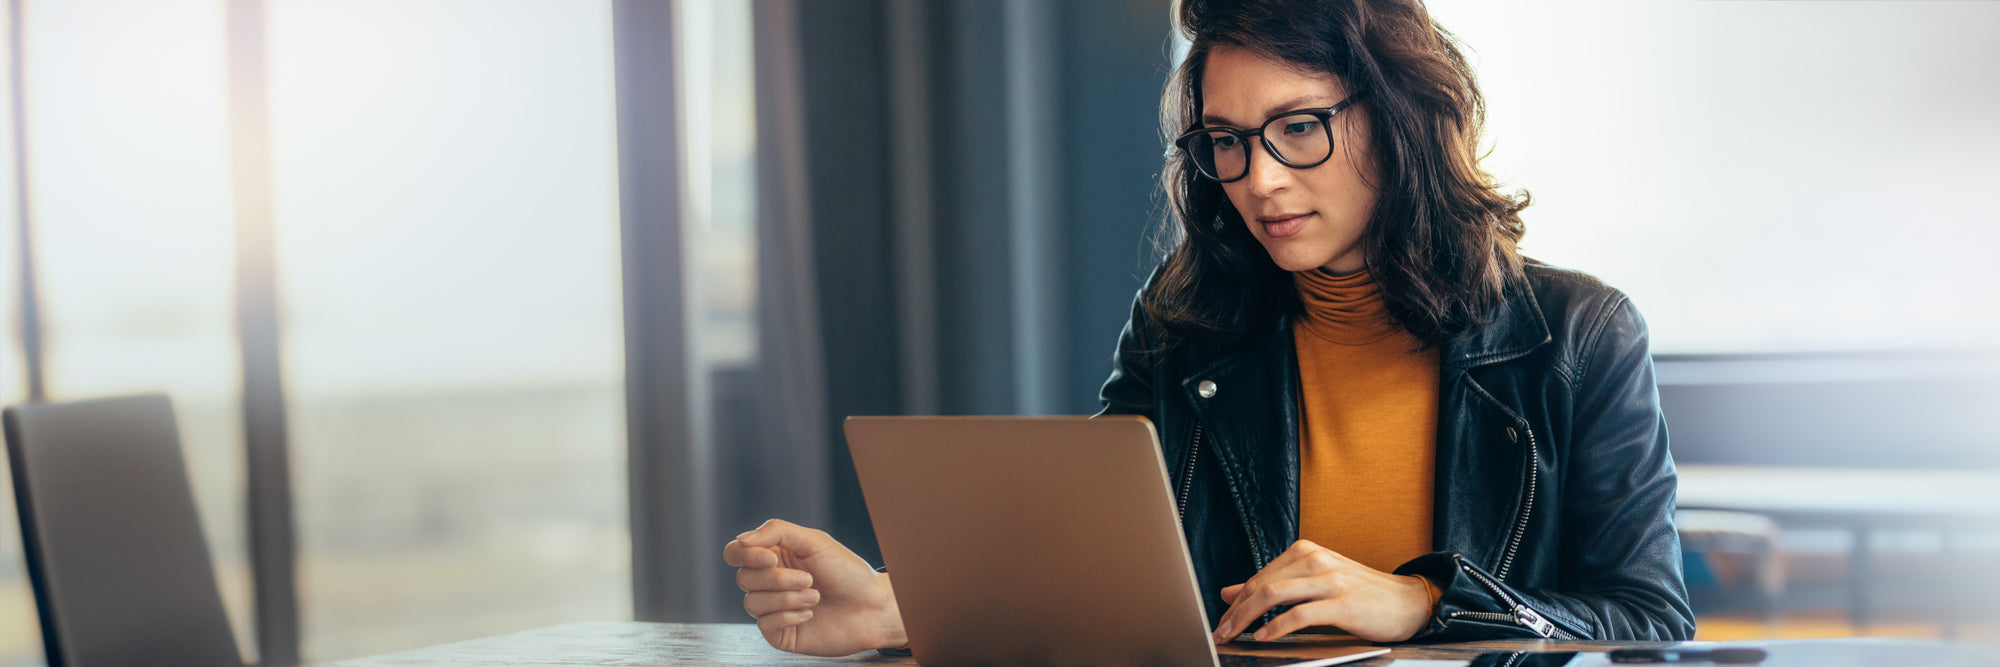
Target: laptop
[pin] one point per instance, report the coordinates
(1042, 541)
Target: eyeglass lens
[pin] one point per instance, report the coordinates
(1302, 140)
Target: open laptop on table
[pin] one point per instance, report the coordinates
(1039, 540)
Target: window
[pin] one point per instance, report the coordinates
(447, 231)
(136, 289)
(20, 638)
(1760, 177)
(719, 128)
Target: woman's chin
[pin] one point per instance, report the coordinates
(1292, 259)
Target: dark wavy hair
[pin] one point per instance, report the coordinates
(1442, 241)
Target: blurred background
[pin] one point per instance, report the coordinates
(538, 302)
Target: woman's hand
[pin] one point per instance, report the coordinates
(810, 594)
(1326, 588)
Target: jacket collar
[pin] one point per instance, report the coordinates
(1516, 329)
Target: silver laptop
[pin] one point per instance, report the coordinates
(1041, 541)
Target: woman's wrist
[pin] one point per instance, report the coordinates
(1414, 610)
(1425, 605)
(894, 637)
(1431, 594)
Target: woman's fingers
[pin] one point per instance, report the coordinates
(1325, 588)
(1303, 557)
(1241, 608)
(780, 628)
(762, 603)
(1284, 591)
(800, 541)
(738, 554)
(1318, 612)
(1266, 590)
(773, 579)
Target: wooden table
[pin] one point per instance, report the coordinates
(628, 644)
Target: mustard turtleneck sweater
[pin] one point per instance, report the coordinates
(1368, 435)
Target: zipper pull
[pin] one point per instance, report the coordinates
(1531, 620)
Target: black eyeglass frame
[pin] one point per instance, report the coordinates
(1324, 114)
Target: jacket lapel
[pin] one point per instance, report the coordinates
(1251, 414)
(1481, 444)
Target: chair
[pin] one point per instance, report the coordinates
(1732, 561)
(115, 552)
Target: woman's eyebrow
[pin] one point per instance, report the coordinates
(1287, 105)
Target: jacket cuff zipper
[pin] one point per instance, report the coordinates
(1518, 613)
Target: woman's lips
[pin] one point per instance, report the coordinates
(1281, 226)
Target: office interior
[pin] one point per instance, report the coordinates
(488, 315)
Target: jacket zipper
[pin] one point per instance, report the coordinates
(1187, 489)
(1187, 471)
(1519, 613)
(1527, 505)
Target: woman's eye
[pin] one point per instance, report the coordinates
(1301, 127)
(1225, 141)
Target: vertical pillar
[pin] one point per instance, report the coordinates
(666, 388)
(30, 319)
(273, 557)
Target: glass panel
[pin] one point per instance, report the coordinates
(720, 133)
(1823, 199)
(133, 232)
(446, 203)
(20, 638)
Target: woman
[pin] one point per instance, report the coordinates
(1379, 416)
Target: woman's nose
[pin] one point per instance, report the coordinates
(1267, 175)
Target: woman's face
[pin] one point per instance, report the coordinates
(1306, 218)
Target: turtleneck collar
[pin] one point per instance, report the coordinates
(1347, 310)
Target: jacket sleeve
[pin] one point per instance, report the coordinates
(1620, 560)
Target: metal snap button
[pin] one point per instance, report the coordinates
(1206, 389)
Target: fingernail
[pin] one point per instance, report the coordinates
(807, 613)
(747, 535)
(1259, 636)
(805, 581)
(812, 596)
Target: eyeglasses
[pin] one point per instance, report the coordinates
(1304, 141)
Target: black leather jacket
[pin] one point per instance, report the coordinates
(1555, 492)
